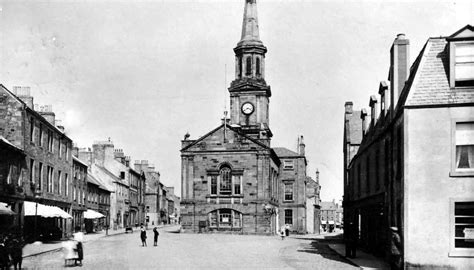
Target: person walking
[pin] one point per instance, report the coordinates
(143, 236)
(287, 230)
(282, 233)
(78, 238)
(155, 237)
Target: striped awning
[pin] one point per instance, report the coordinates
(91, 214)
(44, 210)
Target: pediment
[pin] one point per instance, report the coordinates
(467, 32)
(224, 138)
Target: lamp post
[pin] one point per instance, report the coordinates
(37, 194)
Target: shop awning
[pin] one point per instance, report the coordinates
(331, 222)
(91, 214)
(4, 210)
(44, 210)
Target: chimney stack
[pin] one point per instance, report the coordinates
(47, 112)
(103, 152)
(24, 93)
(373, 110)
(363, 114)
(399, 67)
(348, 107)
(302, 146)
(75, 151)
(317, 176)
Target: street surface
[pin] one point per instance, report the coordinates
(200, 251)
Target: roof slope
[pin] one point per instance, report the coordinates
(328, 206)
(285, 152)
(430, 83)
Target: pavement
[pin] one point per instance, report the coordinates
(363, 260)
(38, 247)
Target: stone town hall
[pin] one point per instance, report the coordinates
(232, 180)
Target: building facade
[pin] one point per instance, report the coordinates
(425, 111)
(313, 205)
(79, 192)
(12, 165)
(46, 171)
(231, 176)
(292, 180)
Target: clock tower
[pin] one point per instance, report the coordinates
(249, 93)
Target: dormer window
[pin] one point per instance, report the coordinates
(461, 58)
(464, 64)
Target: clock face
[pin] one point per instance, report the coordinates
(247, 108)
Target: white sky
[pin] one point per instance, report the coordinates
(147, 72)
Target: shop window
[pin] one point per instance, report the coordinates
(462, 227)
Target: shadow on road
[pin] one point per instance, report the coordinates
(320, 246)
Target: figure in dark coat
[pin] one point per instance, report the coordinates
(395, 249)
(155, 237)
(143, 236)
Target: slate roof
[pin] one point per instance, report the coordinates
(328, 206)
(91, 179)
(430, 83)
(9, 144)
(37, 114)
(354, 128)
(79, 161)
(116, 178)
(284, 152)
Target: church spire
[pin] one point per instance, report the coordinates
(250, 34)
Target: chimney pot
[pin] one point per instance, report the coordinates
(348, 107)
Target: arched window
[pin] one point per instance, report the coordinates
(257, 67)
(240, 66)
(225, 219)
(248, 67)
(226, 181)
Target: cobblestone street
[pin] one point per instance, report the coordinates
(200, 251)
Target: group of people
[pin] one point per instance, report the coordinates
(11, 246)
(143, 236)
